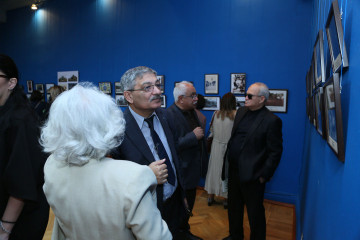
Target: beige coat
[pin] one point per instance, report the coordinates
(107, 199)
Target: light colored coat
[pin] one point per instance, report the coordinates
(104, 199)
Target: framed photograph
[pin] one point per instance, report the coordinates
(105, 87)
(319, 112)
(238, 83)
(118, 90)
(277, 101)
(39, 87)
(212, 103)
(240, 102)
(333, 116)
(163, 101)
(319, 59)
(29, 85)
(335, 37)
(120, 100)
(48, 97)
(161, 79)
(211, 83)
(48, 86)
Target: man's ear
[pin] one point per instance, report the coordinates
(12, 83)
(262, 99)
(128, 96)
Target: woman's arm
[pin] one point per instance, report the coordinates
(10, 216)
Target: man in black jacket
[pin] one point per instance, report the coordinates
(253, 153)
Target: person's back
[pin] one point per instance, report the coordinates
(221, 128)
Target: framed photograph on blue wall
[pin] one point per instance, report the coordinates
(319, 112)
(335, 36)
(212, 103)
(161, 79)
(238, 83)
(319, 68)
(211, 83)
(333, 116)
(277, 101)
(105, 87)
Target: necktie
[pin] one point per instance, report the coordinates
(159, 147)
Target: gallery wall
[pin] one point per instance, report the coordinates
(329, 196)
(183, 40)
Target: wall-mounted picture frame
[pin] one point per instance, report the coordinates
(48, 86)
(333, 116)
(319, 112)
(278, 100)
(120, 100)
(211, 103)
(318, 54)
(240, 101)
(161, 79)
(29, 85)
(335, 37)
(105, 87)
(39, 87)
(163, 101)
(118, 89)
(211, 83)
(238, 83)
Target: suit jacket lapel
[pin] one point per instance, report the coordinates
(134, 134)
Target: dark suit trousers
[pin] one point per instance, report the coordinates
(190, 197)
(250, 194)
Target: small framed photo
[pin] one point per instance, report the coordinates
(48, 86)
(318, 55)
(212, 103)
(120, 100)
(118, 89)
(39, 87)
(29, 85)
(238, 83)
(319, 112)
(240, 102)
(161, 79)
(211, 83)
(333, 116)
(105, 87)
(163, 101)
(277, 101)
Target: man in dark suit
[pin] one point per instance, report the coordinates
(190, 143)
(149, 141)
(253, 153)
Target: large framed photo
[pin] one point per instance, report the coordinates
(238, 83)
(29, 85)
(277, 101)
(240, 102)
(163, 101)
(118, 89)
(39, 87)
(211, 83)
(335, 36)
(161, 79)
(333, 116)
(105, 87)
(319, 112)
(319, 59)
(120, 100)
(212, 103)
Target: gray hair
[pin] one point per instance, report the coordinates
(83, 124)
(128, 80)
(263, 90)
(180, 89)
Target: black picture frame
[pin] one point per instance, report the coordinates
(211, 103)
(117, 88)
(161, 79)
(240, 101)
(211, 83)
(105, 87)
(319, 112)
(319, 63)
(29, 85)
(120, 100)
(40, 87)
(333, 116)
(237, 83)
(278, 100)
(163, 101)
(335, 37)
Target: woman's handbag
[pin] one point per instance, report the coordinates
(210, 137)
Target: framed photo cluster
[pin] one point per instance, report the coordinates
(323, 102)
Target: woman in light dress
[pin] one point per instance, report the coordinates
(220, 129)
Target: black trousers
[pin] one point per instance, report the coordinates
(250, 194)
(190, 196)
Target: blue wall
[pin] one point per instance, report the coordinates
(183, 40)
(329, 194)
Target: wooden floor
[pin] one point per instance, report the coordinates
(211, 223)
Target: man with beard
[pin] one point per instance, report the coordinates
(148, 141)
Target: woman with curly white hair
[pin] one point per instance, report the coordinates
(92, 196)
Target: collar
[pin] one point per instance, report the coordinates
(140, 119)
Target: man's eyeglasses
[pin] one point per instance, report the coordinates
(149, 88)
(250, 96)
(193, 96)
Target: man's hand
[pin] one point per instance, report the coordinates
(199, 133)
(160, 170)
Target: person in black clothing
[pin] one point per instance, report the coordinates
(253, 154)
(41, 108)
(24, 210)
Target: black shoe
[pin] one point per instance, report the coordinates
(210, 201)
(191, 236)
(228, 238)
